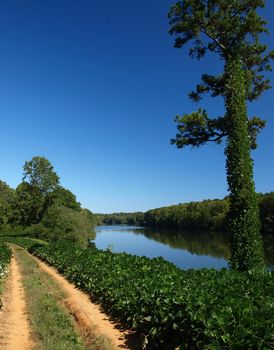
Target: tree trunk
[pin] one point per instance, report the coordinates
(244, 224)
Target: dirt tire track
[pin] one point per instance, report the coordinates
(15, 331)
(86, 313)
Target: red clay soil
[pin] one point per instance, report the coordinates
(15, 332)
(87, 314)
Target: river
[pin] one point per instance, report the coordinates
(196, 249)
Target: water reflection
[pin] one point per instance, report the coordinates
(142, 242)
(195, 242)
(186, 249)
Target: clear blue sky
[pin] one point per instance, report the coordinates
(94, 86)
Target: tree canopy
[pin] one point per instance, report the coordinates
(229, 29)
(7, 196)
(38, 172)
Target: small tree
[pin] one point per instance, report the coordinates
(230, 29)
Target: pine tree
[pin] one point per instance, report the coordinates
(230, 29)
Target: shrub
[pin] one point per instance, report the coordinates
(5, 257)
(65, 223)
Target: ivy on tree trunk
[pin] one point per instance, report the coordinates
(246, 240)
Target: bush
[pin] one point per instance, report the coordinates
(65, 223)
(5, 257)
(37, 231)
(168, 307)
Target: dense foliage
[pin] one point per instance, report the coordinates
(208, 214)
(136, 218)
(204, 215)
(5, 257)
(40, 207)
(168, 307)
(243, 217)
(7, 197)
(266, 207)
(61, 222)
(230, 29)
(25, 242)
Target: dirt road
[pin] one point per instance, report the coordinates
(90, 321)
(86, 313)
(15, 331)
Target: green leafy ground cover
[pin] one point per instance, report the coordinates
(52, 328)
(25, 242)
(168, 307)
(5, 257)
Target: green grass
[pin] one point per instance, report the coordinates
(53, 328)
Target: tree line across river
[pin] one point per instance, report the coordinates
(40, 207)
(203, 215)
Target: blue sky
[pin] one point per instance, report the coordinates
(94, 86)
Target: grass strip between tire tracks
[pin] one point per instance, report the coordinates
(52, 326)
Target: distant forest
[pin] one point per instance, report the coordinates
(204, 215)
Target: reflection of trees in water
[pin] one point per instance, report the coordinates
(196, 242)
(200, 242)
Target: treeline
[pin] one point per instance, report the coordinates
(40, 207)
(208, 214)
(204, 215)
(136, 218)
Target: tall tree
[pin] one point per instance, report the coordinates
(231, 29)
(34, 194)
(39, 173)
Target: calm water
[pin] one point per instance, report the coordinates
(184, 249)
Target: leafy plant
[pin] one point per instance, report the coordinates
(5, 257)
(168, 307)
